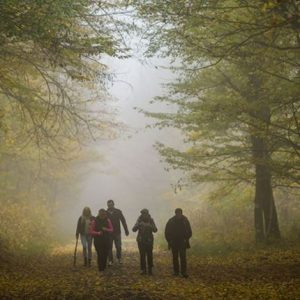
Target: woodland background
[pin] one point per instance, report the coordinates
(235, 102)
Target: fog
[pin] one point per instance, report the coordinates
(131, 173)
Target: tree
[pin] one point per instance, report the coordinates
(52, 98)
(50, 67)
(237, 94)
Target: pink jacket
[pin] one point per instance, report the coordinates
(93, 232)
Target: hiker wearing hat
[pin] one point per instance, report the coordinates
(145, 227)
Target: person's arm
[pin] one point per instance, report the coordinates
(92, 229)
(109, 228)
(188, 228)
(154, 228)
(78, 227)
(167, 232)
(136, 225)
(124, 224)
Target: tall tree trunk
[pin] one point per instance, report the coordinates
(265, 214)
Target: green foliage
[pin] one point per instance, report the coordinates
(50, 66)
(222, 220)
(34, 186)
(52, 92)
(236, 82)
(237, 94)
(288, 212)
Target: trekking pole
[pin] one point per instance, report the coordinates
(75, 252)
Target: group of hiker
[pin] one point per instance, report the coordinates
(105, 230)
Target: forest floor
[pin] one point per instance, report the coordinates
(264, 274)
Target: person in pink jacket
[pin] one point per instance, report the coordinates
(100, 228)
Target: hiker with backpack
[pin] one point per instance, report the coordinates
(145, 227)
(100, 229)
(82, 229)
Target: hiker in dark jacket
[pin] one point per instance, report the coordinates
(177, 233)
(145, 227)
(100, 229)
(116, 217)
(82, 229)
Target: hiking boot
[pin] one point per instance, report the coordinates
(85, 262)
(89, 262)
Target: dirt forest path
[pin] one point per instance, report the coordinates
(238, 276)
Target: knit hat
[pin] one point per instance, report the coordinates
(145, 211)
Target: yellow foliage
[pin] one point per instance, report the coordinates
(25, 226)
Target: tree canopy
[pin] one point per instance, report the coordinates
(237, 92)
(49, 66)
(52, 98)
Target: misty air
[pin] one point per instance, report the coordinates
(150, 149)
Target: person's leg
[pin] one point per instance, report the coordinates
(182, 254)
(118, 245)
(110, 249)
(142, 251)
(83, 239)
(89, 248)
(102, 258)
(106, 247)
(150, 258)
(98, 250)
(175, 253)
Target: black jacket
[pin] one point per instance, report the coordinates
(116, 216)
(178, 232)
(98, 224)
(145, 230)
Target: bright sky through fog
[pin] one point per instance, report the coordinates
(132, 174)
